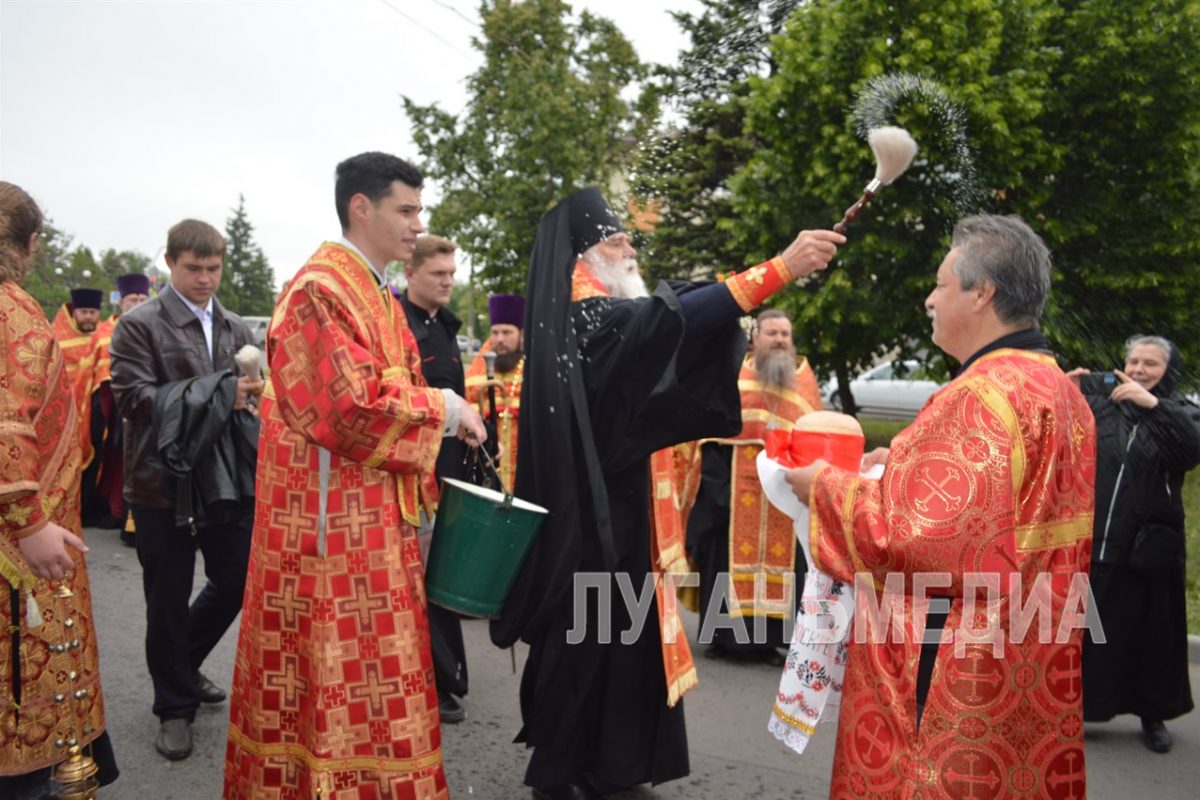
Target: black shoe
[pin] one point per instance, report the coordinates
(567, 791)
(105, 522)
(207, 691)
(174, 741)
(1156, 736)
(127, 539)
(774, 658)
(449, 709)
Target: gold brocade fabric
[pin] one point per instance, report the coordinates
(994, 477)
(762, 545)
(76, 346)
(95, 369)
(333, 688)
(508, 408)
(39, 481)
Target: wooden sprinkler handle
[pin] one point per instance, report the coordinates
(853, 211)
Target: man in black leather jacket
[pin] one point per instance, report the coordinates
(182, 333)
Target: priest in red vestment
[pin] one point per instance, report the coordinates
(100, 423)
(50, 698)
(507, 315)
(992, 483)
(751, 571)
(333, 692)
(73, 327)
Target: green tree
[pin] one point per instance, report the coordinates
(687, 165)
(49, 280)
(995, 60)
(248, 283)
(1120, 213)
(547, 114)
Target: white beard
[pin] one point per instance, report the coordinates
(621, 278)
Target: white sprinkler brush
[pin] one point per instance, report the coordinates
(249, 360)
(894, 150)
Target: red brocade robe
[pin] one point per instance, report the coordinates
(94, 371)
(760, 538)
(995, 476)
(333, 691)
(60, 695)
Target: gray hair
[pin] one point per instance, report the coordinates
(1006, 253)
(1157, 341)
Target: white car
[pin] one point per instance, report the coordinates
(882, 393)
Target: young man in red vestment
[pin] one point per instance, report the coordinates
(333, 689)
(986, 502)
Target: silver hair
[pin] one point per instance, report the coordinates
(1157, 341)
(1005, 252)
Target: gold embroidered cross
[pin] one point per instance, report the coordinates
(756, 274)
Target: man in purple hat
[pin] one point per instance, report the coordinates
(507, 341)
(103, 474)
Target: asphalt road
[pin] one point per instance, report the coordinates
(732, 755)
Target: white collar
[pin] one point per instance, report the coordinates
(197, 310)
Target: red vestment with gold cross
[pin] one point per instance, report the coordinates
(60, 697)
(760, 537)
(333, 690)
(993, 478)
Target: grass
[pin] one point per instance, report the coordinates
(879, 433)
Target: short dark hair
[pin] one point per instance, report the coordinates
(20, 218)
(199, 237)
(429, 246)
(371, 174)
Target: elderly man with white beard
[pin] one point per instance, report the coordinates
(614, 377)
(742, 546)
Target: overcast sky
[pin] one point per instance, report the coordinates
(121, 118)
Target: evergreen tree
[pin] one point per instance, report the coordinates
(546, 115)
(248, 282)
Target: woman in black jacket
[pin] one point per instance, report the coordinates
(1147, 438)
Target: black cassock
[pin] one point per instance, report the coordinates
(655, 372)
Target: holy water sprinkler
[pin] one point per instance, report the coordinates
(894, 149)
(249, 359)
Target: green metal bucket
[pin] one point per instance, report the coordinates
(480, 539)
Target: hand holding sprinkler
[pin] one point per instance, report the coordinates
(894, 150)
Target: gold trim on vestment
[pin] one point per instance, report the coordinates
(1052, 535)
(316, 763)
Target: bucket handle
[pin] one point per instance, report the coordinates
(507, 503)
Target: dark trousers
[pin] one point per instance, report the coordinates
(178, 636)
(448, 650)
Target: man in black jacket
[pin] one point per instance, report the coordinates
(430, 275)
(182, 333)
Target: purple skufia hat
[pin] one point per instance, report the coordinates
(133, 284)
(86, 298)
(507, 309)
